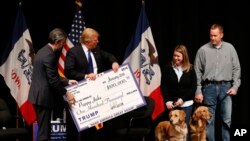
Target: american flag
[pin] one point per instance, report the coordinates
(77, 26)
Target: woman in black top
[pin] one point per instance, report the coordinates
(179, 82)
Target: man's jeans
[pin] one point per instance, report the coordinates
(216, 94)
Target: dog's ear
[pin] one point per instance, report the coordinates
(182, 115)
(208, 114)
(170, 113)
(197, 113)
(195, 116)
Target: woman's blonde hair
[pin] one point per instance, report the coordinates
(185, 63)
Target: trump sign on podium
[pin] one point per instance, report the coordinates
(110, 95)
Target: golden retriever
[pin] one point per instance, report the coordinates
(198, 123)
(173, 130)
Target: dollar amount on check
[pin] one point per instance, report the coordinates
(110, 95)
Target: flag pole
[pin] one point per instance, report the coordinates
(17, 106)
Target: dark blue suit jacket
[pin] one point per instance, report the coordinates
(76, 64)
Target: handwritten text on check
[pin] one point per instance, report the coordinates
(110, 95)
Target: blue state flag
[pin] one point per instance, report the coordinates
(142, 56)
(16, 66)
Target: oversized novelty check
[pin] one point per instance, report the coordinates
(110, 95)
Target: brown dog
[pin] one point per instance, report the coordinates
(173, 130)
(198, 124)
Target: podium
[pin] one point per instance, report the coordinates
(58, 131)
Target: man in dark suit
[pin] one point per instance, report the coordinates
(46, 83)
(76, 63)
(78, 66)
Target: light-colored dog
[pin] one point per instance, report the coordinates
(198, 123)
(173, 130)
